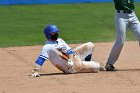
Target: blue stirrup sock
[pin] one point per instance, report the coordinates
(88, 58)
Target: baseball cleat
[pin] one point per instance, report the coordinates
(110, 67)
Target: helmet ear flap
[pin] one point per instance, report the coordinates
(48, 36)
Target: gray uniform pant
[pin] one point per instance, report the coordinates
(122, 22)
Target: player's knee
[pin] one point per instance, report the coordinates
(90, 45)
(119, 43)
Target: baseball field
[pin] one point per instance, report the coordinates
(21, 40)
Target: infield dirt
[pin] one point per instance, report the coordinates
(16, 64)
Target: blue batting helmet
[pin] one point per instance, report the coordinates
(50, 29)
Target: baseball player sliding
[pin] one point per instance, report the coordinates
(63, 57)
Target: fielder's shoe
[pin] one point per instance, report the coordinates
(110, 67)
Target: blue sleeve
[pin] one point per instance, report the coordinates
(40, 61)
(70, 52)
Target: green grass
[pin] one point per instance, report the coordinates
(22, 25)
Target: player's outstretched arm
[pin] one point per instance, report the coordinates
(39, 62)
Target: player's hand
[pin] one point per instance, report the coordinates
(35, 74)
(70, 62)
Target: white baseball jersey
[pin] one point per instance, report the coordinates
(49, 52)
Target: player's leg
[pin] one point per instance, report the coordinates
(120, 25)
(85, 51)
(90, 66)
(135, 27)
